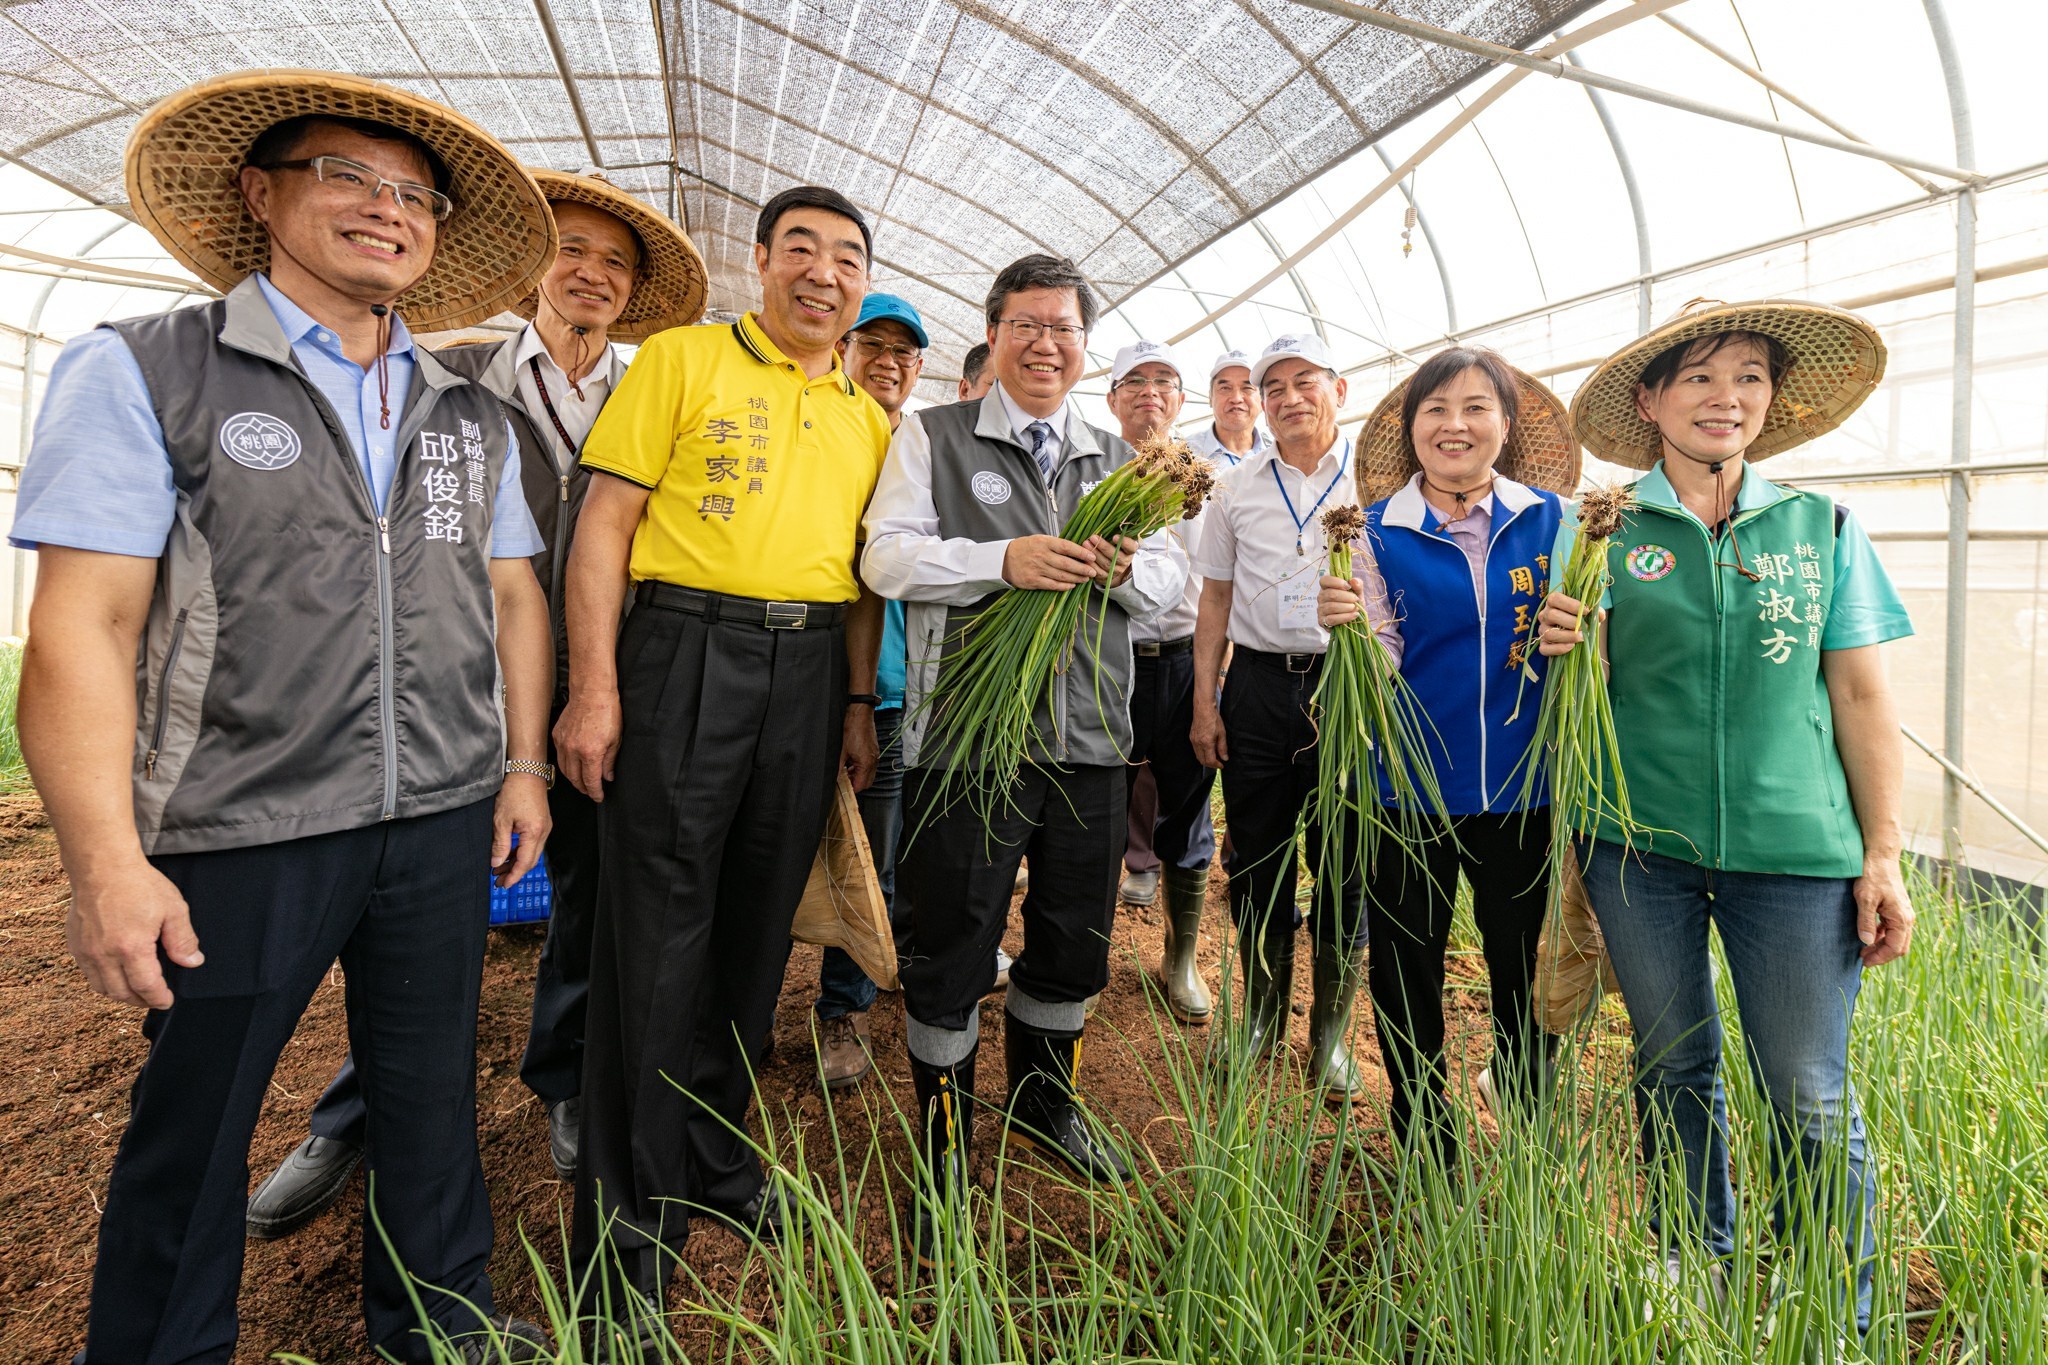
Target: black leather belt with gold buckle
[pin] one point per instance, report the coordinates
(1152, 649)
(1293, 663)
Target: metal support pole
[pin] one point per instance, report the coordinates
(1494, 52)
(1443, 269)
(1955, 659)
(1645, 267)
(561, 56)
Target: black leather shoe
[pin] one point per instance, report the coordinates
(945, 1102)
(565, 1126)
(509, 1339)
(304, 1186)
(770, 1217)
(1044, 1113)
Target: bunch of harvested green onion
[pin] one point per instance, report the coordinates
(1575, 747)
(1002, 667)
(1367, 716)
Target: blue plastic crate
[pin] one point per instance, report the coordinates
(526, 903)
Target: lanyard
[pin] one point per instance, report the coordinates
(533, 363)
(1301, 523)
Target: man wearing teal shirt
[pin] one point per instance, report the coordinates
(1761, 750)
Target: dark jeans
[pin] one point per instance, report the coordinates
(843, 988)
(1797, 966)
(404, 905)
(1409, 909)
(1269, 777)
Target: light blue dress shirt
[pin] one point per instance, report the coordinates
(98, 476)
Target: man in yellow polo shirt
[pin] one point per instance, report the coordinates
(731, 469)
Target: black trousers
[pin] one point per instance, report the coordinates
(726, 766)
(960, 874)
(1409, 909)
(1268, 779)
(1162, 716)
(404, 905)
(553, 1065)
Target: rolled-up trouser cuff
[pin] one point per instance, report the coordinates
(1044, 1015)
(936, 1046)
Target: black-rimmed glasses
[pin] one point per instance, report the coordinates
(343, 174)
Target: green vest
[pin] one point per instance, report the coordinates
(1727, 740)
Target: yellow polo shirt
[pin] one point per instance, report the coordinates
(758, 474)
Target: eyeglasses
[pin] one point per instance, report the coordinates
(1132, 383)
(360, 182)
(1028, 330)
(906, 356)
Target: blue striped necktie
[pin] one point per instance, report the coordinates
(1042, 448)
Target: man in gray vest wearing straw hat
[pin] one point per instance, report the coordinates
(286, 689)
(623, 273)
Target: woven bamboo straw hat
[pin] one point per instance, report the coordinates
(1539, 450)
(1837, 359)
(672, 283)
(185, 158)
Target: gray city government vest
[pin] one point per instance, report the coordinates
(986, 486)
(554, 486)
(309, 666)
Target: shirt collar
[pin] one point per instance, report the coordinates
(298, 323)
(1269, 452)
(1654, 490)
(530, 345)
(1020, 419)
(1409, 509)
(748, 332)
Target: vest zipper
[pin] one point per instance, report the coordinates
(163, 693)
(386, 647)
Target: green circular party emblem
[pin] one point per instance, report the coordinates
(1648, 563)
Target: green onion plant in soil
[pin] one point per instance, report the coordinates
(1262, 1226)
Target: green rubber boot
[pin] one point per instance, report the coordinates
(1336, 975)
(1186, 996)
(1268, 989)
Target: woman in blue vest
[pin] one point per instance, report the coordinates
(1762, 752)
(1467, 459)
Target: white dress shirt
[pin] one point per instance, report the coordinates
(909, 561)
(1179, 621)
(1249, 537)
(577, 414)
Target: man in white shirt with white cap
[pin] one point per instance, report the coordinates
(1170, 824)
(1233, 432)
(1260, 554)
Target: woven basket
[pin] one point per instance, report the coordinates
(1538, 452)
(672, 284)
(1837, 360)
(185, 159)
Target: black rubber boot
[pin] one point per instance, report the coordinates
(1186, 996)
(1268, 963)
(1044, 1112)
(1336, 976)
(945, 1104)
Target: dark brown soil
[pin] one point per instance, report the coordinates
(63, 1109)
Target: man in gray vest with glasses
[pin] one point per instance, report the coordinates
(970, 504)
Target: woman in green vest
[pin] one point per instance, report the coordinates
(1762, 752)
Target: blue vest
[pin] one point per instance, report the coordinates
(1468, 673)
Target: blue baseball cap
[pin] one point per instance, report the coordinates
(890, 308)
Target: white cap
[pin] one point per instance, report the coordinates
(1144, 353)
(1230, 360)
(1294, 346)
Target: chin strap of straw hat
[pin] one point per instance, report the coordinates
(383, 316)
(1457, 495)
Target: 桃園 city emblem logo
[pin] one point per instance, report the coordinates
(990, 488)
(259, 441)
(1648, 563)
